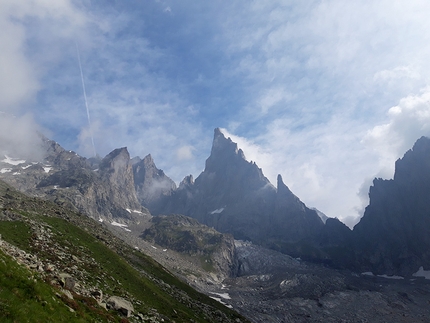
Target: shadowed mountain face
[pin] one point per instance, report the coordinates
(394, 234)
(151, 183)
(232, 195)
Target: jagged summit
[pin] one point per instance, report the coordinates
(394, 234)
(415, 164)
(223, 150)
(186, 182)
(282, 188)
(118, 160)
(151, 183)
(233, 196)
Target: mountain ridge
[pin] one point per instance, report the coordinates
(233, 196)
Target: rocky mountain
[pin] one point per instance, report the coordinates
(101, 188)
(151, 183)
(394, 234)
(233, 196)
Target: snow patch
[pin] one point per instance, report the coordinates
(422, 273)
(133, 211)
(217, 211)
(25, 167)
(123, 226)
(222, 295)
(154, 247)
(47, 169)
(220, 300)
(5, 170)
(12, 161)
(100, 220)
(391, 277)
(16, 173)
(368, 273)
(119, 224)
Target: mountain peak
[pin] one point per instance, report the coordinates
(222, 145)
(422, 145)
(148, 160)
(119, 152)
(414, 167)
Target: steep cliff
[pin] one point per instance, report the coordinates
(151, 183)
(394, 234)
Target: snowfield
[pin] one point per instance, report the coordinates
(12, 161)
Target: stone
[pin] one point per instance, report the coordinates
(121, 305)
(49, 268)
(67, 281)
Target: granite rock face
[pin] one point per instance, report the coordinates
(233, 196)
(101, 188)
(151, 183)
(393, 237)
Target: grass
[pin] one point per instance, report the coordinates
(17, 233)
(25, 298)
(116, 269)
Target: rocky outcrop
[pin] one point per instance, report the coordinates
(151, 183)
(186, 235)
(116, 189)
(393, 237)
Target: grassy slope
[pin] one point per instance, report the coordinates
(118, 270)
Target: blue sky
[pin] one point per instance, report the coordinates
(327, 93)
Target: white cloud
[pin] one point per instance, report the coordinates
(18, 82)
(184, 153)
(407, 121)
(18, 137)
(272, 97)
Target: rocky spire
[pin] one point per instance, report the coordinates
(151, 183)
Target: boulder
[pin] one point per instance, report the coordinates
(121, 305)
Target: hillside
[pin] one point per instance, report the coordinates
(61, 266)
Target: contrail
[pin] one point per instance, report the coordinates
(85, 98)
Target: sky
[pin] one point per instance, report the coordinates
(327, 93)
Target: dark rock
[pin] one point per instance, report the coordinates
(233, 196)
(67, 281)
(393, 237)
(151, 183)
